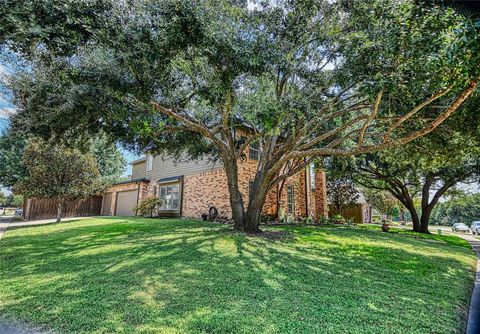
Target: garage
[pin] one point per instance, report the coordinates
(126, 202)
(107, 204)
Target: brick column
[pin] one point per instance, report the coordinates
(321, 205)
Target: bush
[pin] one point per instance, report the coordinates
(337, 219)
(148, 206)
(306, 220)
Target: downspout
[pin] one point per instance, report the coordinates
(306, 191)
(138, 197)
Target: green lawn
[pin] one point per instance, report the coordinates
(126, 275)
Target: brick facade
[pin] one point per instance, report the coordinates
(205, 189)
(142, 186)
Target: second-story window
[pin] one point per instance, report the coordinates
(149, 162)
(253, 152)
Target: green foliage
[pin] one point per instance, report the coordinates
(110, 161)
(215, 55)
(384, 202)
(420, 173)
(3, 197)
(12, 169)
(302, 284)
(148, 206)
(58, 173)
(13, 200)
(341, 193)
(463, 209)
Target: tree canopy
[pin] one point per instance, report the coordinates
(58, 173)
(110, 161)
(427, 168)
(302, 79)
(462, 209)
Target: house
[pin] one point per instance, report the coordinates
(190, 188)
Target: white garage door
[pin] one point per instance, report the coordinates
(126, 201)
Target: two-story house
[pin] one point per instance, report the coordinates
(190, 188)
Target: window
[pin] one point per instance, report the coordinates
(312, 176)
(253, 151)
(290, 200)
(149, 162)
(171, 197)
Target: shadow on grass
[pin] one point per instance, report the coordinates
(149, 276)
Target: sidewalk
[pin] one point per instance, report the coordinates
(473, 323)
(4, 223)
(42, 221)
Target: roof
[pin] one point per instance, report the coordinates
(132, 181)
(169, 179)
(137, 161)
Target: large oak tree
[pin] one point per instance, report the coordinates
(302, 79)
(427, 168)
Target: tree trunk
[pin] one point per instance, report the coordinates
(59, 211)
(236, 199)
(413, 212)
(424, 220)
(255, 205)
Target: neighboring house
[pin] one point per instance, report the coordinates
(190, 188)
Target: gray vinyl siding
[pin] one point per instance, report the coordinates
(164, 166)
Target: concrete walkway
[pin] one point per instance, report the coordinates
(9, 327)
(4, 223)
(27, 223)
(473, 324)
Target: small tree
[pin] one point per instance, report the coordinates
(382, 201)
(58, 173)
(341, 193)
(110, 161)
(148, 206)
(2, 201)
(2, 198)
(14, 200)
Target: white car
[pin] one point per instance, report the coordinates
(460, 227)
(476, 227)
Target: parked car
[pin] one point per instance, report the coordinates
(476, 227)
(460, 227)
(19, 212)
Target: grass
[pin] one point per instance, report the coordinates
(131, 275)
(450, 239)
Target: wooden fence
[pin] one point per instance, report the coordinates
(354, 212)
(35, 208)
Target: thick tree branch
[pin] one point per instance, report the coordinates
(370, 118)
(408, 115)
(193, 125)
